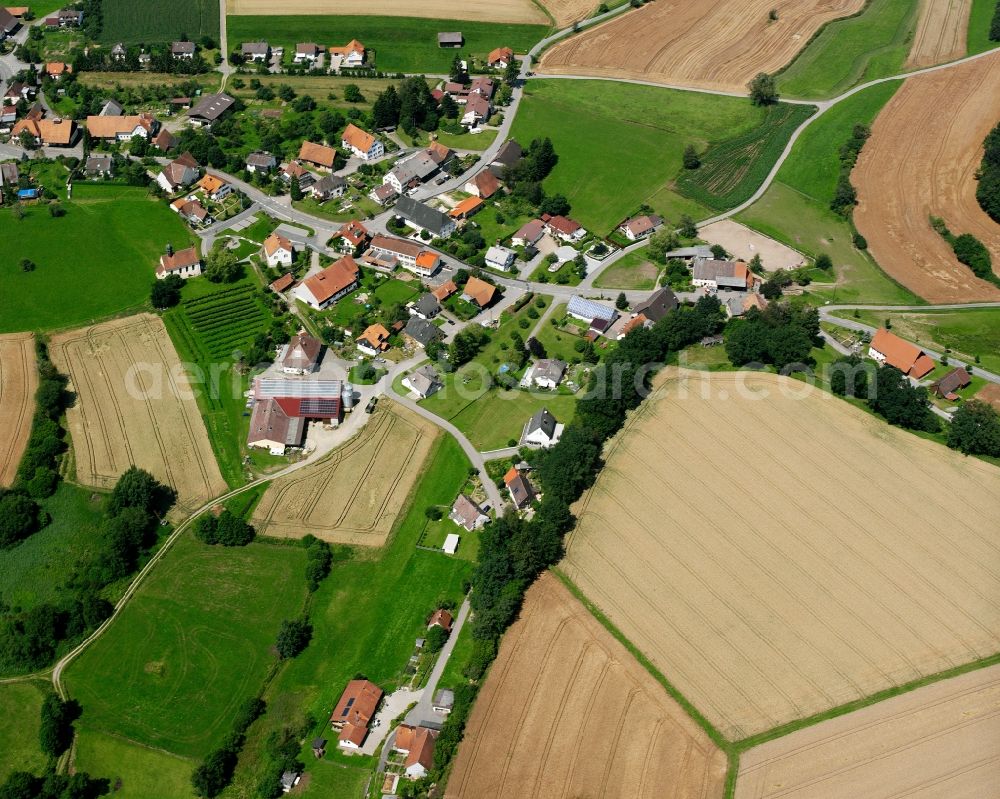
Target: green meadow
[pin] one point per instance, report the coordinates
(130, 22)
(20, 706)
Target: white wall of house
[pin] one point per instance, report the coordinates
(280, 257)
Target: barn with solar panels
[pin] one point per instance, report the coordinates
(282, 407)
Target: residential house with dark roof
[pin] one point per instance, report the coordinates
(426, 307)
(529, 234)
(300, 356)
(509, 154)
(656, 305)
(423, 381)
(261, 162)
(211, 108)
(546, 373)
(728, 275)
(541, 430)
(98, 166)
(179, 173)
(307, 51)
(563, 227)
(419, 332)
(328, 187)
(519, 487)
(957, 379)
(183, 50)
(256, 51)
(423, 217)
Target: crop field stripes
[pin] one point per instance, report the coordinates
(223, 321)
(18, 383)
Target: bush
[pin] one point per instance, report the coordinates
(824, 262)
(763, 89)
(435, 639)
(975, 429)
(859, 241)
(228, 529)
(319, 561)
(293, 637)
(56, 731)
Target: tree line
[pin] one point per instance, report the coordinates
(988, 188)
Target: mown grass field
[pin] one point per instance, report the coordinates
(633, 140)
(20, 705)
(129, 21)
(980, 17)
(143, 772)
(400, 44)
(96, 261)
(365, 618)
(632, 271)
(847, 52)
(193, 643)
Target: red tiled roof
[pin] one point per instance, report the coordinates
(332, 280)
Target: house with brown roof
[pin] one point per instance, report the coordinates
(374, 341)
(529, 234)
(417, 743)
(215, 187)
(122, 128)
(484, 185)
(164, 140)
(351, 54)
(56, 69)
(181, 172)
(191, 210)
(383, 194)
(500, 57)
(351, 236)
(326, 287)
(714, 274)
(638, 227)
(466, 208)
(184, 263)
(887, 348)
(211, 108)
(479, 292)
(56, 132)
(293, 170)
(946, 388)
(278, 250)
(563, 227)
(283, 283)
(441, 618)
(319, 155)
(307, 51)
(385, 253)
(300, 356)
(354, 712)
(467, 514)
(520, 489)
(445, 290)
(477, 110)
(361, 143)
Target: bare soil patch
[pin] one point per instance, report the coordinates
(745, 243)
(567, 711)
(520, 11)
(18, 382)
(706, 44)
(921, 161)
(776, 552)
(941, 32)
(940, 740)
(990, 393)
(134, 406)
(354, 495)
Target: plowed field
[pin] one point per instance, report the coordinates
(485, 10)
(921, 161)
(941, 32)
(567, 711)
(134, 406)
(708, 44)
(18, 381)
(776, 552)
(936, 741)
(354, 495)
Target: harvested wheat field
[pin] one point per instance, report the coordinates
(921, 161)
(354, 495)
(937, 741)
(776, 552)
(520, 11)
(566, 12)
(567, 711)
(134, 406)
(745, 243)
(705, 44)
(18, 382)
(941, 32)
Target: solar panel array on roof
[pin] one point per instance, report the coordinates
(315, 406)
(266, 387)
(347, 707)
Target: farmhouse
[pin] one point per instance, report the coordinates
(182, 50)
(657, 305)
(419, 332)
(351, 54)
(638, 227)
(374, 341)
(386, 253)
(164, 140)
(256, 51)
(210, 108)
(521, 491)
(479, 292)
(98, 166)
(278, 250)
(411, 172)
(282, 406)
(261, 163)
(328, 187)
(956, 379)
(382, 195)
(477, 109)
(47, 132)
(423, 381)
(319, 155)
(589, 310)
(712, 274)
(215, 187)
(484, 185)
(466, 208)
(546, 373)
(324, 288)
(181, 172)
(306, 51)
(467, 514)
(450, 39)
(423, 217)
(887, 348)
(300, 356)
(529, 234)
(500, 57)
(509, 154)
(354, 712)
(500, 257)
(122, 128)
(361, 143)
(563, 228)
(542, 430)
(417, 743)
(185, 263)
(427, 307)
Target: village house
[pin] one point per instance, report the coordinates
(56, 69)
(656, 305)
(111, 108)
(500, 258)
(9, 23)
(420, 333)
(328, 187)
(466, 208)
(256, 51)
(887, 348)
(319, 155)
(500, 57)
(529, 234)
(122, 128)
(215, 188)
(441, 618)
(957, 379)
(164, 140)
(374, 341)
(509, 154)
(18, 90)
(427, 307)
(182, 50)
(563, 228)
(589, 310)
(295, 171)
(354, 712)
(423, 381)
(467, 514)
(417, 743)
(300, 356)
(483, 185)
(260, 163)
(546, 373)
(98, 166)
(351, 237)
(444, 291)
(351, 54)
(713, 275)
(480, 293)
(191, 210)
(210, 108)
(278, 250)
(47, 132)
(283, 283)
(423, 217)
(477, 110)
(185, 263)
(307, 51)
(541, 430)
(283, 406)
(65, 18)
(520, 489)
(8, 114)
(625, 325)
(179, 173)
(361, 143)
(411, 172)
(324, 288)
(385, 253)
(383, 194)
(639, 227)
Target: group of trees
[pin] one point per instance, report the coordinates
(410, 106)
(166, 293)
(763, 89)
(25, 785)
(293, 637)
(988, 189)
(844, 195)
(215, 772)
(968, 250)
(55, 733)
(782, 334)
(319, 561)
(227, 529)
(975, 429)
(99, 59)
(900, 402)
(995, 24)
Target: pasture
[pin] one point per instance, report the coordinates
(400, 44)
(941, 33)
(873, 44)
(980, 17)
(131, 22)
(567, 711)
(634, 140)
(101, 254)
(20, 705)
(631, 271)
(354, 494)
(776, 552)
(143, 772)
(938, 740)
(921, 161)
(18, 382)
(134, 406)
(703, 44)
(523, 11)
(194, 642)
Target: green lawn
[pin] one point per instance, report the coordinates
(967, 333)
(366, 616)
(452, 677)
(32, 571)
(393, 291)
(629, 150)
(980, 17)
(400, 44)
(20, 705)
(497, 418)
(131, 22)
(847, 52)
(193, 643)
(632, 271)
(96, 261)
(144, 773)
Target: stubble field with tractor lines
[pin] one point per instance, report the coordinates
(941, 32)
(18, 382)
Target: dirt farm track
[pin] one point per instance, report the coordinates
(921, 161)
(18, 382)
(515, 11)
(566, 711)
(776, 552)
(133, 407)
(936, 741)
(707, 44)
(354, 495)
